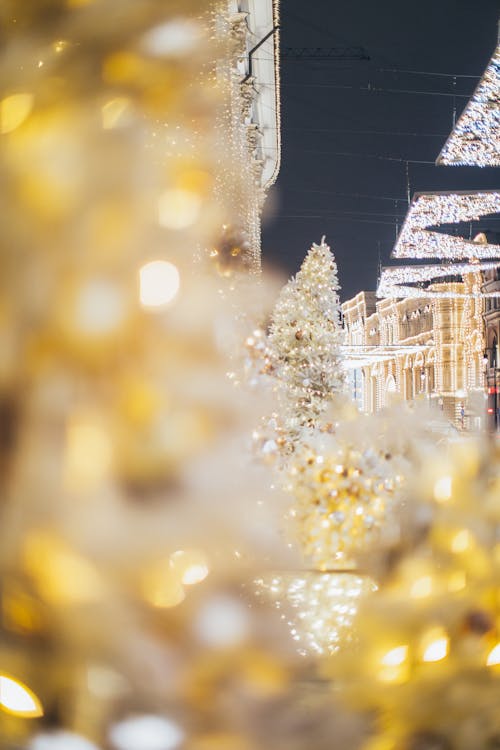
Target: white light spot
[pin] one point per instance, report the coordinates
(177, 37)
(146, 733)
(60, 741)
(222, 623)
(159, 283)
(100, 307)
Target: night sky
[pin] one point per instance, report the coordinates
(359, 201)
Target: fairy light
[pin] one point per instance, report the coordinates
(416, 240)
(318, 608)
(474, 139)
(395, 281)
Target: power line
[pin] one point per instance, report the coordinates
(331, 54)
(427, 73)
(334, 218)
(347, 195)
(375, 89)
(356, 213)
(370, 132)
(368, 156)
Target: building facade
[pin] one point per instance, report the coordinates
(249, 122)
(425, 349)
(491, 283)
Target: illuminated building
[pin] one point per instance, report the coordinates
(428, 349)
(249, 124)
(491, 282)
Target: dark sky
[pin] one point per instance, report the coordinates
(356, 200)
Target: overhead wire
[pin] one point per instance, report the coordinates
(374, 89)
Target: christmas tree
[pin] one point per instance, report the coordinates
(305, 341)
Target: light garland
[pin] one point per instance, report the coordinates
(476, 136)
(321, 606)
(357, 356)
(394, 282)
(433, 209)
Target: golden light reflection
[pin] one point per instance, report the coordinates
(112, 112)
(14, 110)
(421, 588)
(61, 574)
(161, 585)
(178, 208)
(461, 541)
(88, 454)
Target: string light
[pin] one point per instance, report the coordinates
(416, 240)
(474, 139)
(321, 606)
(394, 282)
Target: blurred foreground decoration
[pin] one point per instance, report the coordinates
(429, 653)
(124, 482)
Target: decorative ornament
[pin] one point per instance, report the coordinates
(396, 281)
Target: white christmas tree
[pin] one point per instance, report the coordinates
(305, 340)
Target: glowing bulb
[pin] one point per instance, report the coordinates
(147, 733)
(60, 740)
(159, 283)
(395, 657)
(493, 658)
(18, 699)
(178, 208)
(435, 645)
(14, 110)
(442, 489)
